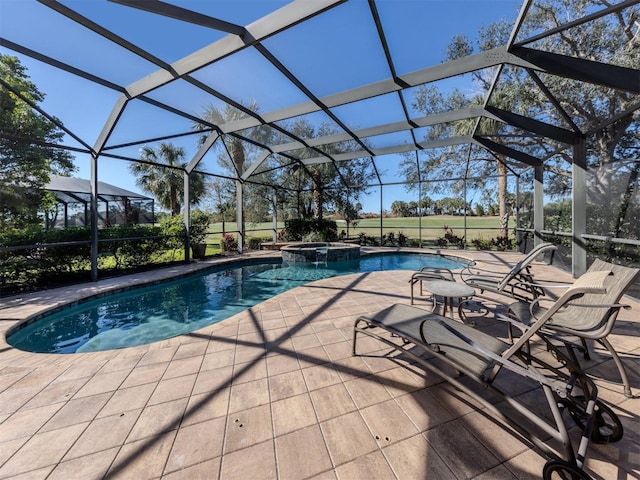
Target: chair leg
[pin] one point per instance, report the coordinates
(621, 369)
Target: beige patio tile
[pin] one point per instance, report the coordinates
(292, 454)
(497, 473)
(498, 440)
(320, 376)
(339, 350)
(453, 441)
(8, 448)
(292, 414)
(250, 371)
(248, 395)
(332, 401)
(347, 438)
(206, 406)
(56, 391)
(527, 466)
(257, 461)
(77, 411)
(247, 428)
(212, 380)
(172, 389)
(158, 419)
(158, 355)
(367, 391)
(103, 382)
(142, 460)
(204, 470)
(126, 399)
(366, 467)
(424, 410)
(286, 385)
(310, 357)
(145, 374)
(281, 363)
(213, 361)
(27, 422)
(89, 467)
(196, 443)
(42, 449)
(182, 367)
(103, 433)
(350, 368)
(414, 458)
(193, 349)
(388, 422)
(14, 398)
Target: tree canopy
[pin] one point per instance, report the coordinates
(28, 152)
(161, 173)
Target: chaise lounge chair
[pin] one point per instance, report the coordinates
(589, 317)
(517, 283)
(436, 343)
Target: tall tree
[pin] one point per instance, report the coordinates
(27, 157)
(162, 174)
(611, 154)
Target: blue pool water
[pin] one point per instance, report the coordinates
(148, 314)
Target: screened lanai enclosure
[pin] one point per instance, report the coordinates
(116, 206)
(341, 107)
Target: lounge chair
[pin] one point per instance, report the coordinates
(589, 317)
(436, 342)
(517, 283)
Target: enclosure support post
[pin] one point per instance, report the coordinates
(187, 218)
(538, 204)
(275, 215)
(464, 230)
(578, 208)
(240, 215)
(381, 219)
(420, 212)
(519, 245)
(94, 218)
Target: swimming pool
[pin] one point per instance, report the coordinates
(148, 314)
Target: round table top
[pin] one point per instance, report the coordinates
(446, 288)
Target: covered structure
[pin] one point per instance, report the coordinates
(117, 206)
(345, 95)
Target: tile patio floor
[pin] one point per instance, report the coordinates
(273, 393)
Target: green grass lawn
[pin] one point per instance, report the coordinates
(431, 227)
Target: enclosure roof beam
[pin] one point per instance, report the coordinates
(441, 143)
(535, 126)
(508, 151)
(281, 19)
(580, 21)
(255, 165)
(202, 151)
(607, 75)
(179, 13)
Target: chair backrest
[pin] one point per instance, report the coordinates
(592, 315)
(525, 262)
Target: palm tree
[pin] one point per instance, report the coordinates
(162, 174)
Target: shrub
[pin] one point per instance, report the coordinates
(482, 243)
(296, 229)
(229, 243)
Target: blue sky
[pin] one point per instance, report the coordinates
(329, 54)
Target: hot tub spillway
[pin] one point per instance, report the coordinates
(319, 252)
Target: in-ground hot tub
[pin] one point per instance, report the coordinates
(319, 252)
